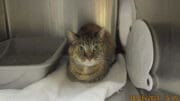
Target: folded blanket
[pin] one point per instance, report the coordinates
(57, 87)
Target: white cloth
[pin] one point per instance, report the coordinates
(57, 87)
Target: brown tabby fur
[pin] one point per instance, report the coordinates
(90, 35)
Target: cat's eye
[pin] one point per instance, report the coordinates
(81, 48)
(95, 47)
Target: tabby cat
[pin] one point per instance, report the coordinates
(91, 52)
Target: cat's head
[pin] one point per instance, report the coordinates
(87, 49)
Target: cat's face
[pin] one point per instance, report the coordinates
(86, 50)
(87, 53)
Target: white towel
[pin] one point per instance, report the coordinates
(57, 87)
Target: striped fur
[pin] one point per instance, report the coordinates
(91, 52)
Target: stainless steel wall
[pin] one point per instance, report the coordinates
(54, 17)
(3, 29)
(164, 17)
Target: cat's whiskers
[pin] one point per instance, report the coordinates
(105, 58)
(86, 62)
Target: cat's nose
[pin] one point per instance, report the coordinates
(89, 59)
(89, 56)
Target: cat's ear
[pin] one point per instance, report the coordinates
(71, 36)
(102, 33)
